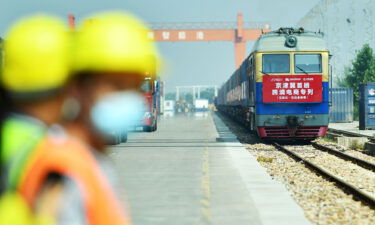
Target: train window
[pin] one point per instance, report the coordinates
(308, 63)
(276, 63)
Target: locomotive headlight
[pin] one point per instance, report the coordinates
(308, 116)
(291, 41)
(277, 117)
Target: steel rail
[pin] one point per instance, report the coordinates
(348, 188)
(360, 162)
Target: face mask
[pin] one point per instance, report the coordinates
(117, 112)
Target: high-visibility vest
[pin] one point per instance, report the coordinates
(70, 158)
(15, 211)
(18, 133)
(19, 136)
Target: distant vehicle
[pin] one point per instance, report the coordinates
(281, 90)
(150, 89)
(116, 137)
(169, 105)
(201, 105)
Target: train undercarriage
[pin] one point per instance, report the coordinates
(287, 126)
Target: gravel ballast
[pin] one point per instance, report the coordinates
(322, 201)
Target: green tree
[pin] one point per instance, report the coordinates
(170, 96)
(188, 97)
(208, 94)
(340, 81)
(361, 71)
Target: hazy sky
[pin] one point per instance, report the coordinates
(189, 63)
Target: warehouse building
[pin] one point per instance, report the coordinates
(347, 25)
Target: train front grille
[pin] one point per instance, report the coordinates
(289, 132)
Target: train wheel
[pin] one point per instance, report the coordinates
(147, 128)
(252, 123)
(155, 127)
(114, 139)
(124, 137)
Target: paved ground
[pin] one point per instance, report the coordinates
(352, 127)
(190, 173)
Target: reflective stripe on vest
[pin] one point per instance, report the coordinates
(70, 158)
(20, 135)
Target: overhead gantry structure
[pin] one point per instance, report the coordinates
(196, 89)
(237, 32)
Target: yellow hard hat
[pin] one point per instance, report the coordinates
(36, 58)
(115, 42)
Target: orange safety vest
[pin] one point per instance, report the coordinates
(72, 159)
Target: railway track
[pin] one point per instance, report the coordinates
(369, 146)
(323, 201)
(360, 162)
(345, 186)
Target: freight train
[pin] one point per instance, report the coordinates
(281, 90)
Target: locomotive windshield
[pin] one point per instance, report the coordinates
(308, 63)
(276, 63)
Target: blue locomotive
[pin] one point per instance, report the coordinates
(281, 90)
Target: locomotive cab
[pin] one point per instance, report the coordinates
(281, 90)
(292, 86)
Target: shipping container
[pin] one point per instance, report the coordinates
(169, 105)
(367, 106)
(201, 105)
(341, 110)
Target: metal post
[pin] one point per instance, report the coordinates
(239, 42)
(193, 94)
(177, 93)
(199, 92)
(215, 91)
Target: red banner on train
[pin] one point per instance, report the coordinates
(292, 88)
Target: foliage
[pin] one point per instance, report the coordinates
(188, 97)
(208, 93)
(340, 81)
(170, 96)
(361, 71)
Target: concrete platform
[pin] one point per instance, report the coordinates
(351, 127)
(188, 172)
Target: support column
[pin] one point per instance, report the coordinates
(239, 52)
(177, 93)
(239, 42)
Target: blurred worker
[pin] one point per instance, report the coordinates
(112, 56)
(36, 67)
(38, 160)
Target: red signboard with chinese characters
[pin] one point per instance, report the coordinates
(292, 88)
